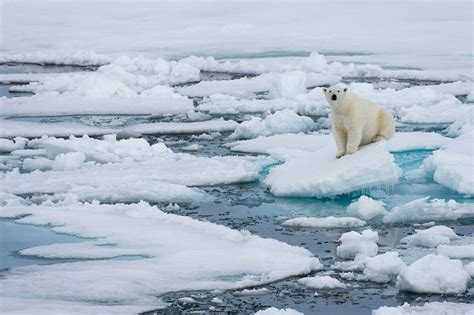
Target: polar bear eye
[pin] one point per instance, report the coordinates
(338, 91)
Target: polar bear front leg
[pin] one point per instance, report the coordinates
(354, 138)
(340, 136)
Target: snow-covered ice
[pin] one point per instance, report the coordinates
(457, 251)
(177, 256)
(285, 121)
(383, 268)
(366, 208)
(354, 243)
(431, 237)
(327, 222)
(322, 282)
(320, 174)
(276, 311)
(434, 274)
(429, 308)
(288, 85)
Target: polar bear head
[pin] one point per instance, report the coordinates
(335, 95)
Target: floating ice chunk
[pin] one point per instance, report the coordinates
(434, 274)
(181, 169)
(470, 97)
(285, 121)
(245, 86)
(431, 308)
(259, 291)
(68, 161)
(315, 62)
(78, 58)
(322, 282)
(431, 237)
(366, 208)
(453, 165)
(402, 141)
(457, 251)
(215, 125)
(41, 164)
(434, 210)
(358, 264)
(320, 174)
(182, 254)
(417, 140)
(53, 105)
(216, 300)
(11, 128)
(276, 311)
(328, 222)
(464, 124)
(28, 152)
(354, 243)
(106, 150)
(7, 145)
(187, 300)
(288, 85)
(470, 268)
(383, 268)
(193, 147)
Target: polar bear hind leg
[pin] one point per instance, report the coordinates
(386, 125)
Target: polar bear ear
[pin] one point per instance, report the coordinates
(325, 90)
(345, 89)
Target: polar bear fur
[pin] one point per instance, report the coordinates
(356, 121)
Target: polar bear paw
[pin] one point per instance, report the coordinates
(378, 138)
(340, 154)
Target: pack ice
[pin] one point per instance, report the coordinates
(320, 174)
(172, 253)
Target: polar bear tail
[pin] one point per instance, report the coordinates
(386, 125)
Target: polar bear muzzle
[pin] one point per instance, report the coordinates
(334, 97)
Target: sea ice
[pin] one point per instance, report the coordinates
(288, 85)
(431, 237)
(328, 222)
(366, 208)
(383, 268)
(354, 243)
(429, 308)
(179, 253)
(434, 274)
(322, 282)
(276, 311)
(457, 251)
(320, 174)
(285, 121)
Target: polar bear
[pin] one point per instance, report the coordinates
(356, 121)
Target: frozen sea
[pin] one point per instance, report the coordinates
(196, 174)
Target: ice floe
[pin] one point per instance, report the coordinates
(457, 251)
(354, 243)
(177, 250)
(431, 237)
(434, 274)
(383, 268)
(322, 282)
(429, 308)
(320, 174)
(327, 222)
(453, 165)
(277, 311)
(7, 145)
(288, 85)
(366, 208)
(423, 209)
(285, 121)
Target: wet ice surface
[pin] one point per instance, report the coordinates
(250, 206)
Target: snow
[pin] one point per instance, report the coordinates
(288, 85)
(215, 125)
(322, 282)
(7, 145)
(246, 86)
(402, 141)
(470, 268)
(328, 222)
(330, 176)
(179, 253)
(457, 251)
(41, 164)
(108, 150)
(13, 128)
(429, 308)
(68, 161)
(366, 208)
(285, 121)
(354, 243)
(383, 268)
(423, 209)
(276, 311)
(453, 166)
(431, 237)
(182, 169)
(434, 274)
